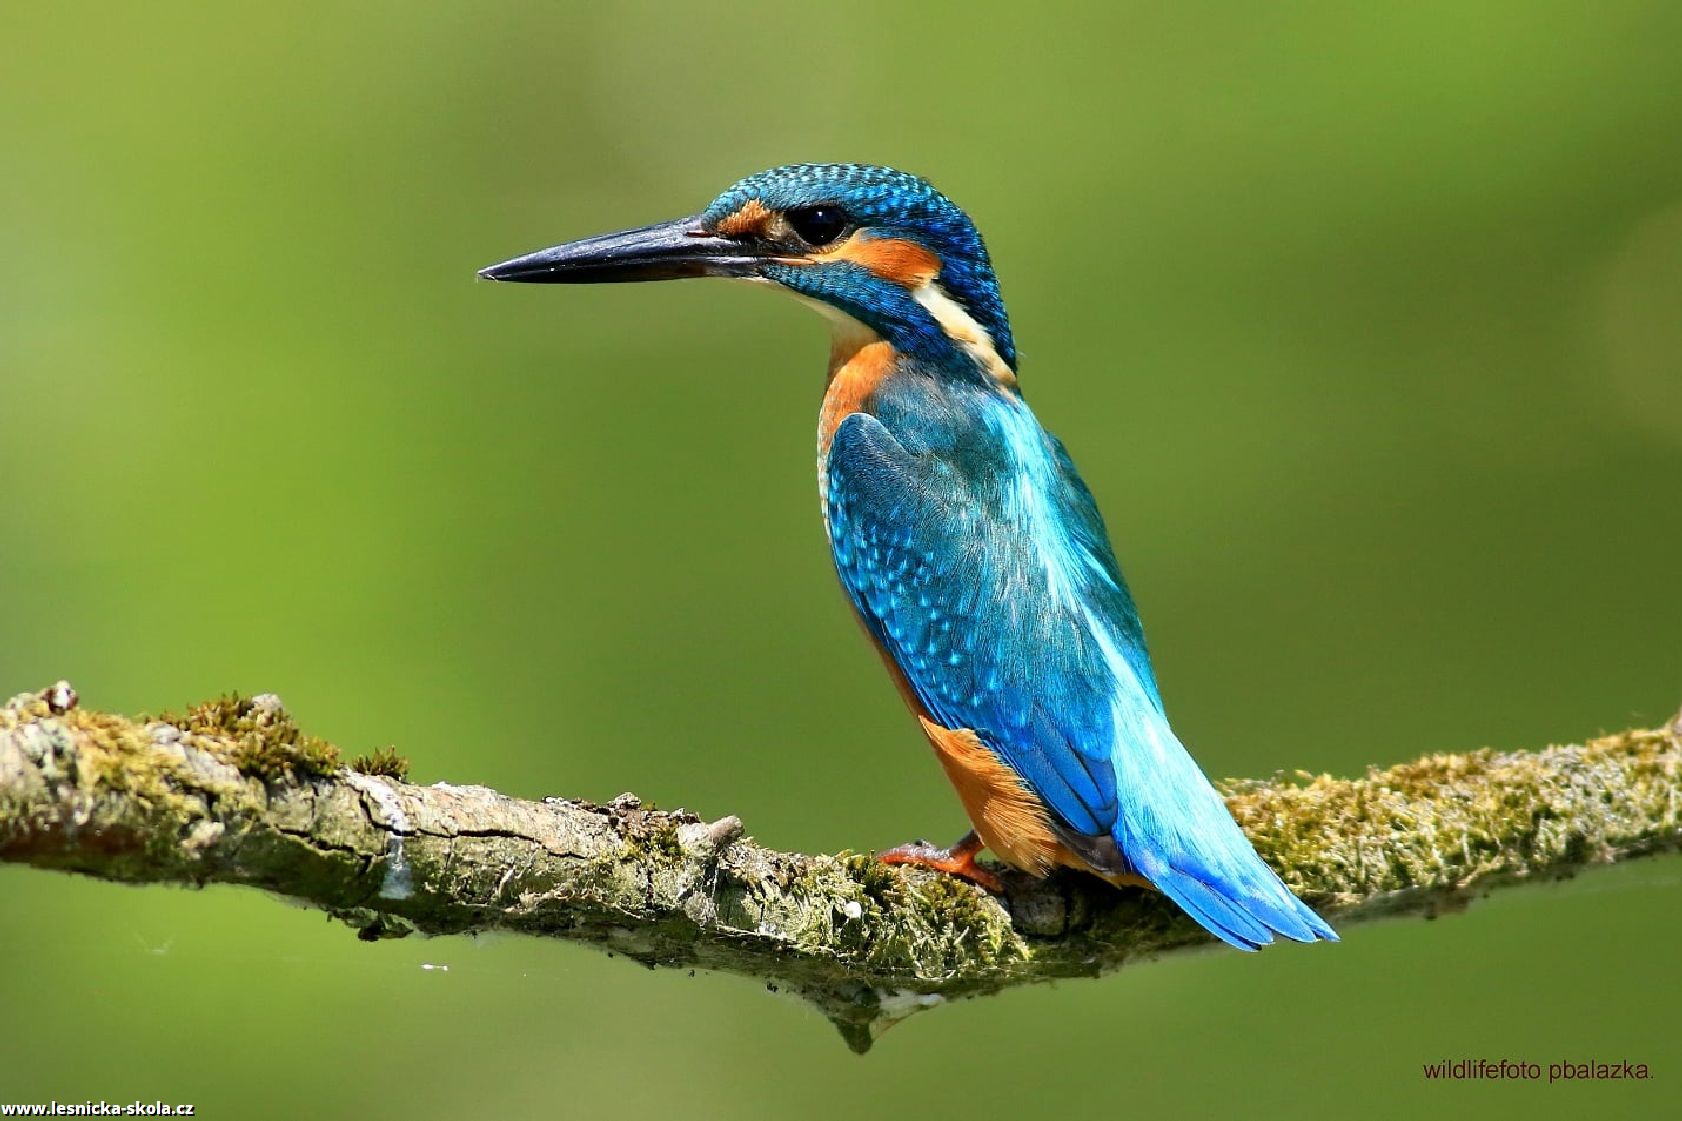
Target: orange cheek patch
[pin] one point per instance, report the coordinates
(751, 218)
(904, 262)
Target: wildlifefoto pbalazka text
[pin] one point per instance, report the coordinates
(1519, 1070)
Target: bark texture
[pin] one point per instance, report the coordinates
(233, 792)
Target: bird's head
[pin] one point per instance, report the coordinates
(873, 247)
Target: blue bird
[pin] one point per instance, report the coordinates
(968, 544)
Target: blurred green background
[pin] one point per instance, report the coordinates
(1365, 326)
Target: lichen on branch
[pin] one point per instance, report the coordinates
(235, 792)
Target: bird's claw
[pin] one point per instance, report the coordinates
(959, 860)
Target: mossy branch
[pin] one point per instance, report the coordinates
(233, 792)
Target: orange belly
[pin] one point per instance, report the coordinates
(1008, 817)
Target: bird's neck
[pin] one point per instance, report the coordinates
(937, 327)
(868, 373)
(862, 359)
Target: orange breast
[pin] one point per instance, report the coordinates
(857, 368)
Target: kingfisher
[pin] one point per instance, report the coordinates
(971, 550)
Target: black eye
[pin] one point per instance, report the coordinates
(818, 225)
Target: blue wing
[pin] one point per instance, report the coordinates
(965, 605)
(989, 579)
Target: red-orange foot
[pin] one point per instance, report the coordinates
(959, 860)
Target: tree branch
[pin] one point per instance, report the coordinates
(233, 792)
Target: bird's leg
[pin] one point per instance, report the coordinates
(959, 860)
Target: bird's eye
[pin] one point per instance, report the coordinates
(818, 225)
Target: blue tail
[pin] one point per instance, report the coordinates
(1175, 830)
(1245, 910)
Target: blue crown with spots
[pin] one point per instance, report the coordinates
(895, 204)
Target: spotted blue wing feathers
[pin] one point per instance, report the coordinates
(953, 600)
(985, 572)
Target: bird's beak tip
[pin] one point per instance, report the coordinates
(531, 267)
(664, 251)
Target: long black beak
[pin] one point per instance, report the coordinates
(667, 251)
